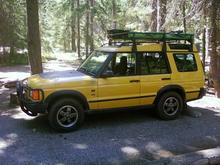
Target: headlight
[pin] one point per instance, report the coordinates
(35, 94)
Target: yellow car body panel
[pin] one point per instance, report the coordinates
(115, 92)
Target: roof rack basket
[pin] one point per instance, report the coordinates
(117, 35)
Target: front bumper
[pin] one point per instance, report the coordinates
(29, 107)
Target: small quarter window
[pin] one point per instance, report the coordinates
(185, 62)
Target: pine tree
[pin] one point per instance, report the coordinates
(78, 30)
(34, 44)
(215, 40)
(73, 27)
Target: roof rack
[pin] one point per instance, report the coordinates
(136, 37)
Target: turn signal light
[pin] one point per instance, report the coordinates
(35, 94)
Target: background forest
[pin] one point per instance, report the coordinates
(79, 26)
(66, 23)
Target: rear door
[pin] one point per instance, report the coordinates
(189, 73)
(155, 74)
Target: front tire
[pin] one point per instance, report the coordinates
(66, 115)
(170, 105)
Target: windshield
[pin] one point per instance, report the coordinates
(93, 63)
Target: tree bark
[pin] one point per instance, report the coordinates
(204, 37)
(73, 27)
(163, 13)
(78, 30)
(114, 22)
(34, 43)
(87, 29)
(204, 47)
(91, 40)
(215, 57)
(184, 17)
(153, 25)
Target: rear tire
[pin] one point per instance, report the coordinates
(170, 105)
(66, 115)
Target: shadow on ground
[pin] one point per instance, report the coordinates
(134, 136)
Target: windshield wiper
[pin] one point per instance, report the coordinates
(84, 70)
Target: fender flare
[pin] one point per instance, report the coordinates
(176, 88)
(68, 93)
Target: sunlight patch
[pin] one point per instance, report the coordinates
(80, 146)
(5, 143)
(12, 76)
(207, 101)
(16, 113)
(130, 151)
(209, 152)
(21, 115)
(157, 151)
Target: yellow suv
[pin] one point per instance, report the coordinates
(135, 69)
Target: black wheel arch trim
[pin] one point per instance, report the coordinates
(176, 88)
(68, 93)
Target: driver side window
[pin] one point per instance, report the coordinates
(122, 64)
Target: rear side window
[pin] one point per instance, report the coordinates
(185, 62)
(153, 63)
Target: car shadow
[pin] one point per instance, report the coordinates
(97, 120)
(118, 117)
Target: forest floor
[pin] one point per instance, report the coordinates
(105, 138)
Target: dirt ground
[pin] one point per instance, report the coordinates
(20, 72)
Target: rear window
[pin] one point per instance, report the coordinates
(185, 62)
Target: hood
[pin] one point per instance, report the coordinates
(58, 79)
(62, 75)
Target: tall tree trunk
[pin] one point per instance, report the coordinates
(204, 37)
(114, 22)
(204, 47)
(215, 57)
(64, 45)
(91, 40)
(163, 13)
(73, 27)
(158, 15)
(34, 44)
(78, 30)
(184, 17)
(87, 29)
(12, 49)
(153, 25)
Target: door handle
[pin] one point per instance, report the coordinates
(165, 78)
(134, 81)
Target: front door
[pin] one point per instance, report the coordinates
(122, 88)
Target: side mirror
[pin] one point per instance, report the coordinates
(107, 73)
